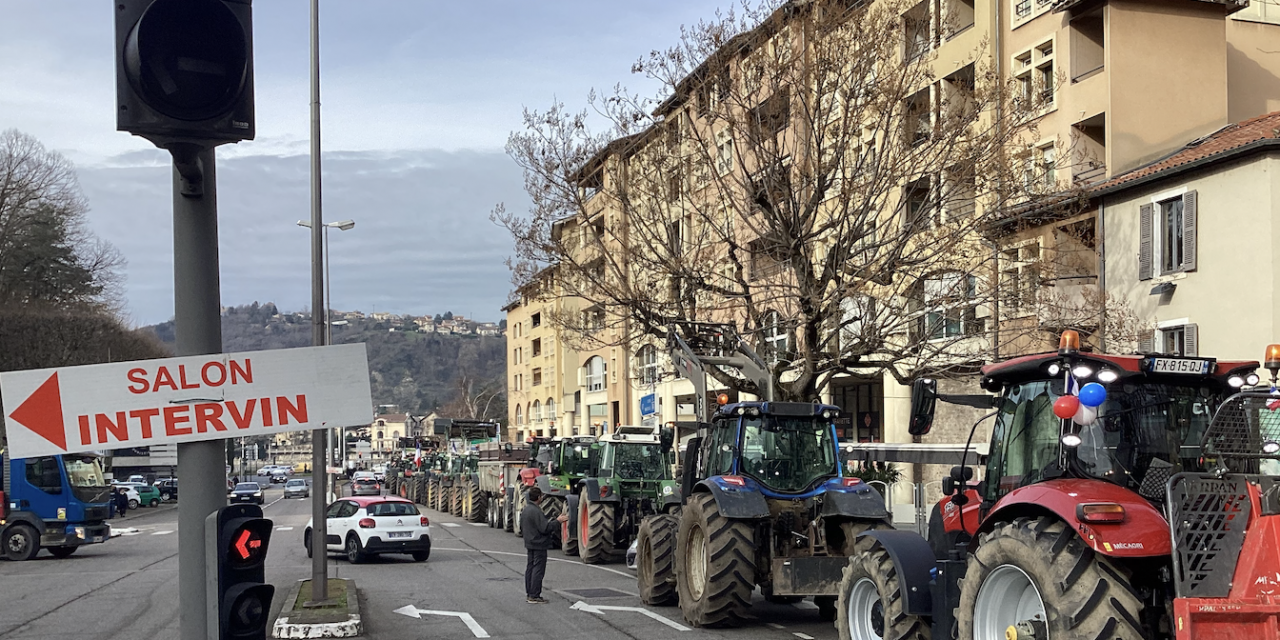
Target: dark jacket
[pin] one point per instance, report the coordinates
(538, 531)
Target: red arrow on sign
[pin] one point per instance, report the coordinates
(41, 412)
(243, 542)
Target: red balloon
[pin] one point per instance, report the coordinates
(1066, 407)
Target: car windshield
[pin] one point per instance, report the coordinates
(788, 454)
(247, 486)
(636, 462)
(392, 509)
(365, 481)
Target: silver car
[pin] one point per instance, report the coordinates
(365, 487)
(297, 488)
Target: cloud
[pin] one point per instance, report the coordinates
(422, 242)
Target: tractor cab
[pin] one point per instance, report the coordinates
(634, 454)
(786, 447)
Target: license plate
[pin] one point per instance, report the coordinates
(1183, 366)
(399, 534)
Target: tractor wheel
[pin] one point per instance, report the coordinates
(872, 605)
(455, 501)
(848, 543)
(491, 514)
(478, 502)
(715, 564)
(597, 530)
(656, 560)
(508, 515)
(552, 506)
(1038, 576)
(522, 499)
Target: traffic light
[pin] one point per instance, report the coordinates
(184, 70)
(236, 547)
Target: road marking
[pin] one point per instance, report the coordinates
(774, 625)
(803, 636)
(284, 528)
(161, 533)
(129, 531)
(479, 524)
(450, 524)
(414, 612)
(600, 609)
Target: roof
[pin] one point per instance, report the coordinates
(365, 501)
(392, 417)
(1232, 5)
(1228, 142)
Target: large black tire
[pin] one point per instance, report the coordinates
(522, 499)
(21, 542)
(508, 515)
(491, 513)
(597, 531)
(62, 552)
(1085, 595)
(656, 560)
(715, 564)
(477, 501)
(871, 599)
(455, 501)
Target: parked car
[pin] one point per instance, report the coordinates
(365, 487)
(297, 487)
(363, 527)
(246, 492)
(168, 489)
(134, 498)
(279, 476)
(137, 478)
(147, 494)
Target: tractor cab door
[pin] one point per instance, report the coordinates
(1025, 439)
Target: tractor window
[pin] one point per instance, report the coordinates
(576, 460)
(636, 462)
(1147, 427)
(788, 454)
(43, 474)
(1025, 438)
(724, 437)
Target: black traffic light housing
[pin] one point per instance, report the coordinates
(184, 71)
(236, 541)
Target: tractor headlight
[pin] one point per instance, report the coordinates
(1236, 382)
(826, 414)
(1271, 447)
(1081, 371)
(1107, 376)
(1054, 369)
(667, 490)
(1252, 379)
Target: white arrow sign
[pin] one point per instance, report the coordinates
(414, 612)
(600, 609)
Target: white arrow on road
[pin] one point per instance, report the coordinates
(600, 609)
(414, 612)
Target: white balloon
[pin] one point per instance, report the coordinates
(1085, 416)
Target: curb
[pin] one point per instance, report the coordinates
(350, 628)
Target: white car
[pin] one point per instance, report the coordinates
(134, 499)
(366, 526)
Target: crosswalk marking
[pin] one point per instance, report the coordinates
(284, 528)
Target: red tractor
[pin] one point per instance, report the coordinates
(1067, 535)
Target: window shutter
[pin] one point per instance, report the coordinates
(1145, 213)
(1147, 341)
(1190, 340)
(1190, 200)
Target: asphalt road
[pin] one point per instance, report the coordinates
(127, 589)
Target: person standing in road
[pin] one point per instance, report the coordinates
(539, 536)
(122, 501)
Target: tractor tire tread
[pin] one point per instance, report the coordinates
(656, 569)
(601, 543)
(876, 564)
(730, 570)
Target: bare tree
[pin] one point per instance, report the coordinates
(48, 256)
(476, 400)
(806, 175)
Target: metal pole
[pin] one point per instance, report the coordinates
(196, 318)
(319, 567)
(328, 339)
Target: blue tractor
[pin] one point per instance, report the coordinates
(765, 502)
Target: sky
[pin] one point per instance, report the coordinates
(418, 98)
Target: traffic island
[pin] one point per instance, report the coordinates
(339, 617)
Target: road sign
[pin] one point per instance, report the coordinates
(188, 399)
(649, 404)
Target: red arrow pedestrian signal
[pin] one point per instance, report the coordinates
(243, 597)
(247, 545)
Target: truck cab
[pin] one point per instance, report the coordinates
(57, 503)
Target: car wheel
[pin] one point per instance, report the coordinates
(133, 504)
(155, 502)
(355, 555)
(164, 497)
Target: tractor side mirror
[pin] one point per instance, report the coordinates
(507, 448)
(689, 477)
(948, 485)
(924, 397)
(666, 437)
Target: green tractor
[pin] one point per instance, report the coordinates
(632, 480)
(566, 461)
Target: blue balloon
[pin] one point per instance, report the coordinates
(1093, 394)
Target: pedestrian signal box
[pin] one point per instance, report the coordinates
(236, 544)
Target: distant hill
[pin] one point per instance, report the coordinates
(419, 371)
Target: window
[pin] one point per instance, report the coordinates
(536, 321)
(855, 312)
(675, 243)
(1042, 169)
(519, 415)
(1174, 339)
(535, 413)
(918, 205)
(537, 377)
(379, 435)
(1035, 75)
(593, 319)
(916, 27)
(775, 337)
(43, 474)
(960, 16)
(551, 409)
(771, 116)
(950, 310)
(537, 347)
(647, 363)
(724, 153)
(767, 260)
(1088, 50)
(595, 374)
(919, 122)
(1019, 276)
(1167, 235)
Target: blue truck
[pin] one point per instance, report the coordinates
(59, 503)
